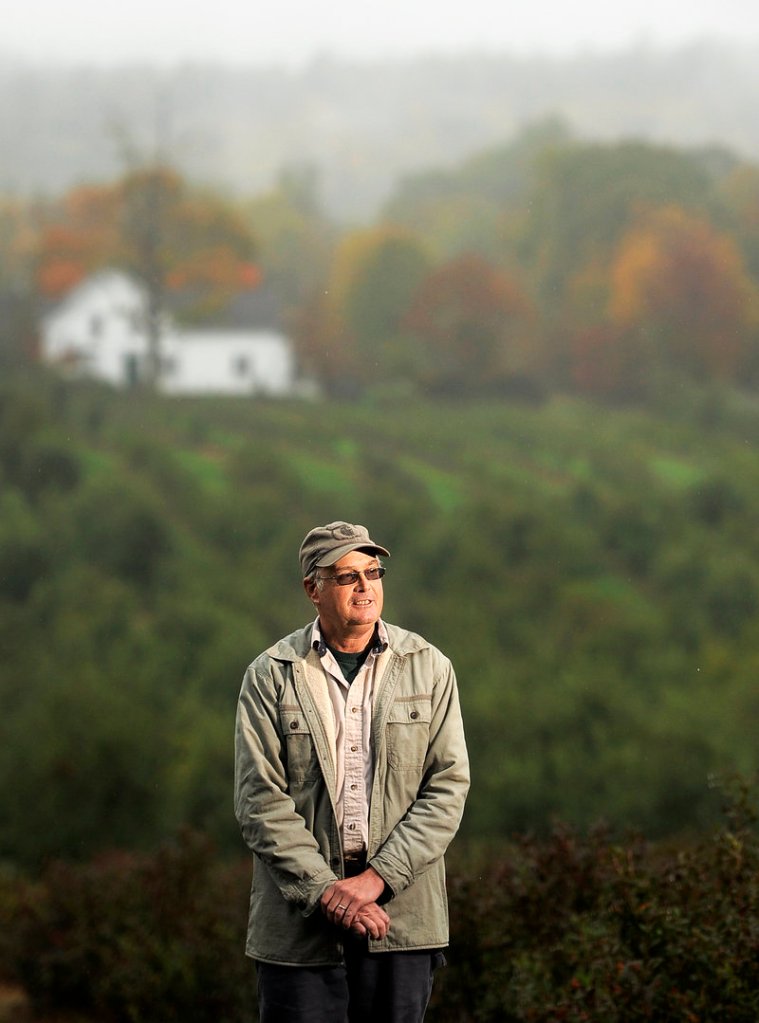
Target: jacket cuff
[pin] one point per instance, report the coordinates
(394, 872)
(307, 894)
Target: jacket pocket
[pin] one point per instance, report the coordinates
(302, 761)
(408, 733)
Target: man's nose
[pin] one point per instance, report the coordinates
(362, 583)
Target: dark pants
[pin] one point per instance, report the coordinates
(380, 987)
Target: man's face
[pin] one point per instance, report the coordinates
(345, 608)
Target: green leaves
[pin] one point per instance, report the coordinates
(594, 576)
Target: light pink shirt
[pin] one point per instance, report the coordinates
(354, 757)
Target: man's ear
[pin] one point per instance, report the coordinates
(312, 590)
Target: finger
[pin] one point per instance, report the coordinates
(376, 921)
(341, 914)
(349, 916)
(334, 898)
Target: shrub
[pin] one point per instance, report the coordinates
(567, 928)
(132, 938)
(579, 928)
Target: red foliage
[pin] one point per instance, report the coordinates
(471, 317)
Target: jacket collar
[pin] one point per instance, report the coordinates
(295, 647)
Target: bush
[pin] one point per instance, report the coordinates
(567, 928)
(579, 928)
(132, 938)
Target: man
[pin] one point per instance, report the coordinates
(350, 780)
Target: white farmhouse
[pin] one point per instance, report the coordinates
(100, 331)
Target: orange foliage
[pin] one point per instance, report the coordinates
(215, 268)
(81, 236)
(67, 254)
(151, 223)
(677, 275)
(57, 276)
(249, 276)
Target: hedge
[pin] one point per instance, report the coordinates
(566, 927)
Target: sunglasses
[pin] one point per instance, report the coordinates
(351, 578)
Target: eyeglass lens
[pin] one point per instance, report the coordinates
(351, 578)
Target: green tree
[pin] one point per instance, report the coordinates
(479, 205)
(296, 239)
(586, 196)
(356, 336)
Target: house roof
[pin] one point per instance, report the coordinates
(258, 308)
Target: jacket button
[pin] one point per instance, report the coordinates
(294, 725)
(414, 714)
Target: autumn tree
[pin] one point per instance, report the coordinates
(475, 327)
(355, 334)
(681, 285)
(587, 196)
(17, 245)
(739, 190)
(151, 223)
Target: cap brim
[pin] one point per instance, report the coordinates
(339, 552)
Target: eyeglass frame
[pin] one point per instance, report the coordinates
(352, 576)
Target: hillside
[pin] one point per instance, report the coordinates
(594, 575)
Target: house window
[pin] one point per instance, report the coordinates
(241, 365)
(131, 370)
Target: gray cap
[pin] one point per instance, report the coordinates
(325, 545)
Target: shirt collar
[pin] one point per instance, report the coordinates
(381, 638)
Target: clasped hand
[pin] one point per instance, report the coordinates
(352, 904)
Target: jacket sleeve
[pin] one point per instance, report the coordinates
(270, 824)
(423, 834)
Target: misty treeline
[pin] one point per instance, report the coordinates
(363, 124)
(593, 573)
(549, 265)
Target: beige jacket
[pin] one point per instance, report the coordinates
(285, 796)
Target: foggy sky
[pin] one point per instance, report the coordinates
(294, 31)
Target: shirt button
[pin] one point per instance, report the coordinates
(414, 714)
(353, 788)
(354, 710)
(351, 827)
(354, 749)
(294, 725)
